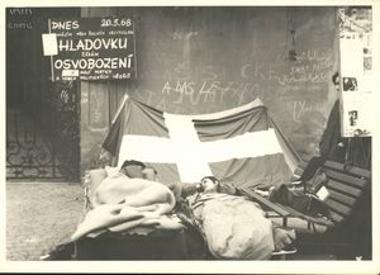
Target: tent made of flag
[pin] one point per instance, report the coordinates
(241, 146)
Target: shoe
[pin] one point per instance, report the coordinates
(289, 250)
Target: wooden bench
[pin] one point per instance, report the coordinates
(345, 185)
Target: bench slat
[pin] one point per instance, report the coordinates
(347, 200)
(348, 169)
(344, 188)
(351, 180)
(338, 207)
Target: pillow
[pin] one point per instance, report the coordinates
(111, 171)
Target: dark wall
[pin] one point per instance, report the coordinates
(198, 60)
(27, 70)
(42, 117)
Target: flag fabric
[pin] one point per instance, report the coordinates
(241, 146)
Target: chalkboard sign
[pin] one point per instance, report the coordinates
(92, 48)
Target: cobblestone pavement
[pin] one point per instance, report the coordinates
(39, 216)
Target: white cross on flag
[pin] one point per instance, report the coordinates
(241, 146)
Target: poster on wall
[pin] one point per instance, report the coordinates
(355, 45)
(94, 48)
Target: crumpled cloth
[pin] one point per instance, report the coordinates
(128, 205)
(235, 228)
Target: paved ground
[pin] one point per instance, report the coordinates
(40, 216)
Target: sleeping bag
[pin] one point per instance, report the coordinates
(234, 227)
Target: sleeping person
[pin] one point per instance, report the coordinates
(135, 185)
(127, 202)
(234, 226)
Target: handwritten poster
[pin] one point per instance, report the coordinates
(92, 48)
(355, 44)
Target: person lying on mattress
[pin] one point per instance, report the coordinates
(132, 186)
(234, 226)
(128, 202)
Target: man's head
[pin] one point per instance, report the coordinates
(150, 173)
(210, 184)
(133, 168)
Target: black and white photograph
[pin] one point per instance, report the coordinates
(190, 133)
(350, 84)
(353, 117)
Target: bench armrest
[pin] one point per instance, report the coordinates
(265, 202)
(284, 211)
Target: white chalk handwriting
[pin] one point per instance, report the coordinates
(204, 92)
(20, 11)
(312, 66)
(302, 107)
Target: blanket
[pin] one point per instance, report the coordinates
(128, 205)
(235, 228)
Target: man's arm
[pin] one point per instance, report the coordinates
(189, 189)
(183, 189)
(227, 188)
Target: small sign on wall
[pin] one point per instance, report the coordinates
(94, 48)
(355, 45)
(49, 41)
